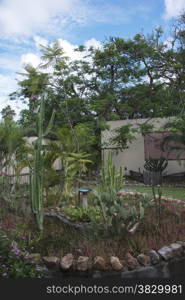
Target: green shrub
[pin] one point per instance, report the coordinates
(81, 214)
(15, 262)
(118, 216)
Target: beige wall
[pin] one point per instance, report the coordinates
(133, 157)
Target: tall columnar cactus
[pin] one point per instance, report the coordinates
(37, 169)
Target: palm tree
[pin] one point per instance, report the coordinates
(12, 144)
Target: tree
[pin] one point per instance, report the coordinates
(12, 145)
(7, 114)
(135, 78)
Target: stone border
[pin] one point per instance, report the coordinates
(168, 261)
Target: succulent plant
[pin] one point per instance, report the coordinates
(155, 164)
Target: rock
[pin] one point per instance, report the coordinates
(182, 244)
(57, 209)
(166, 252)
(115, 263)
(36, 257)
(177, 249)
(82, 263)
(154, 257)
(66, 262)
(51, 261)
(99, 263)
(143, 259)
(132, 262)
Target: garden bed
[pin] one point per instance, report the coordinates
(115, 223)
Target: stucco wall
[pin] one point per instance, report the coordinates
(133, 158)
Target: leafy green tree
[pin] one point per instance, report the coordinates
(8, 114)
(135, 78)
(12, 145)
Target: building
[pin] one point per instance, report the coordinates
(142, 147)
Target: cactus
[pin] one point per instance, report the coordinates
(37, 169)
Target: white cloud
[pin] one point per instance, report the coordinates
(24, 18)
(21, 18)
(8, 84)
(30, 58)
(173, 8)
(169, 42)
(40, 41)
(69, 49)
(9, 63)
(93, 43)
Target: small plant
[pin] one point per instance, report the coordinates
(154, 168)
(90, 214)
(75, 168)
(111, 181)
(157, 202)
(118, 216)
(16, 262)
(155, 164)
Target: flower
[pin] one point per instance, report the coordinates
(16, 251)
(4, 274)
(32, 262)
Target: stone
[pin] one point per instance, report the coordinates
(182, 244)
(177, 249)
(99, 263)
(66, 262)
(51, 261)
(82, 263)
(143, 259)
(166, 252)
(36, 257)
(57, 209)
(154, 257)
(132, 262)
(115, 263)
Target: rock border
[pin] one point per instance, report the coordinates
(156, 264)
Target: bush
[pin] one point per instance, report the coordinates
(81, 214)
(15, 262)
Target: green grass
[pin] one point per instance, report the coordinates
(170, 192)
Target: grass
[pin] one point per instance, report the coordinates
(170, 192)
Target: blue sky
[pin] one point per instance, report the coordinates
(26, 24)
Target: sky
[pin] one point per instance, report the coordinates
(25, 25)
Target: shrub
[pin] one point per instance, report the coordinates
(81, 214)
(15, 262)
